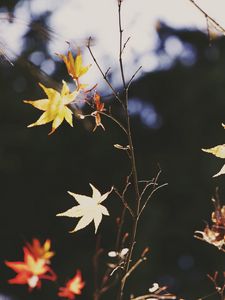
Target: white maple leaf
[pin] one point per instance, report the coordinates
(89, 209)
(218, 151)
(221, 172)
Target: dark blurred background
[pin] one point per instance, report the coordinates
(176, 111)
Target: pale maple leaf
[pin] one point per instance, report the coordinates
(89, 209)
(218, 151)
(55, 107)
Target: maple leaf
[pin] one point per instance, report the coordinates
(75, 67)
(218, 151)
(99, 108)
(73, 287)
(39, 251)
(55, 107)
(212, 236)
(215, 234)
(30, 271)
(89, 209)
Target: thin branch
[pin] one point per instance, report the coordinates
(208, 17)
(149, 197)
(154, 183)
(133, 268)
(132, 159)
(154, 296)
(104, 74)
(107, 71)
(218, 289)
(146, 187)
(115, 120)
(207, 296)
(127, 184)
(110, 117)
(121, 45)
(125, 44)
(122, 215)
(135, 73)
(144, 181)
(124, 202)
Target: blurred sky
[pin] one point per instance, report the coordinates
(76, 20)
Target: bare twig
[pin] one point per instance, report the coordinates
(214, 22)
(149, 197)
(154, 296)
(107, 71)
(108, 116)
(160, 293)
(132, 159)
(122, 215)
(207, 296)
(121, 44)
(219, 289)
(148, 184)
(104, 74)
(135, 265)
(125, 44)
(124, 202)
(132, 77)
(114, 120)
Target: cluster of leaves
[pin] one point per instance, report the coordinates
(64, 104)
(36, 267)
(215, 234)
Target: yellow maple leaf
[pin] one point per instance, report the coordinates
(221, 172)
(55, 107)
(75, 67)
(218, 151)
(89, 209)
